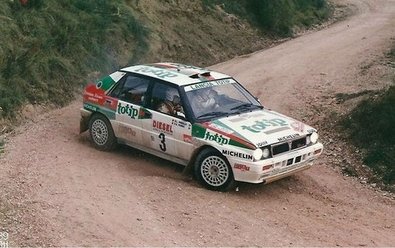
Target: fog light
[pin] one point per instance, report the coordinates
(265, 152)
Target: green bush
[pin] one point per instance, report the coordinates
(371, 127)
(49, 47)
(279, 16)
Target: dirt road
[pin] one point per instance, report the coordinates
(58, 190)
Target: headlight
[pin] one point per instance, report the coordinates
(308, 140)
(265, 152)
(257, 154)
(314, 137)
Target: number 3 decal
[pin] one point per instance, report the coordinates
(162, 144)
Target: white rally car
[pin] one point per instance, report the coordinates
(198, 118)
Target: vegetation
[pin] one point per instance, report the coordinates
(1, 145)
(371, 127)
(280, 16)
(49, 47)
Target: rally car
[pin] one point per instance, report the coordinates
(199, 118)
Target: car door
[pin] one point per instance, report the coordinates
(167, 132)
(130, 95)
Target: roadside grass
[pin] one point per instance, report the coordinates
(371, 127)
(342, 97)
(391, 56)
(49, 47)
(2, 145)
(279, 17)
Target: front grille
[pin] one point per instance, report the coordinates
(298, 143)
(288, 146)
(277, 149)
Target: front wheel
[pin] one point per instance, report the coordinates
(102, 133)
(213, 170)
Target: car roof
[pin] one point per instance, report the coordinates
(175, 73)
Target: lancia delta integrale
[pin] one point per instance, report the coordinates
(200, 119)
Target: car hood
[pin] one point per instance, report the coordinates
(260, 128)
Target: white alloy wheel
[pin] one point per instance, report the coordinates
(102, 133)
(99, 132)
(214, 171)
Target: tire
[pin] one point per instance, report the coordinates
(101, 133)
(213, 170)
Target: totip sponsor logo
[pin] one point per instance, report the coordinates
(161, 73)
(127, 110)
(217, 138)
(263, 124)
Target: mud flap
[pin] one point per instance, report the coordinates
(188, 170)
(84, 124)
(84, 121)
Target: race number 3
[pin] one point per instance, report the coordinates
(162, 144)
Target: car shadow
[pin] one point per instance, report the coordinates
(151, 165)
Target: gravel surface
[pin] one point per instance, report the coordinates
(58, 190)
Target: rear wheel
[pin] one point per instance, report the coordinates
(213, 170)
(101, 132)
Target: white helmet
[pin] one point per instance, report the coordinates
(172, 95)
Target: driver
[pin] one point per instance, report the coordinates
(205, 99)
(171, 105)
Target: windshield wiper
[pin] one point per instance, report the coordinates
(213, 114)
(246, 106)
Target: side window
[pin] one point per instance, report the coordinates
(166, 99)
(131, 89)
(115, 92)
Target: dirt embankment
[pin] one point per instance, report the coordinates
(58, 190)
(201, 34)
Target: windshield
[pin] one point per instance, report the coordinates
(219, 98)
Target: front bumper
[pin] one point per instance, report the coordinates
(272, 169)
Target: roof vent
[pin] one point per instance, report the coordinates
(198, 75)
(194, 75)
